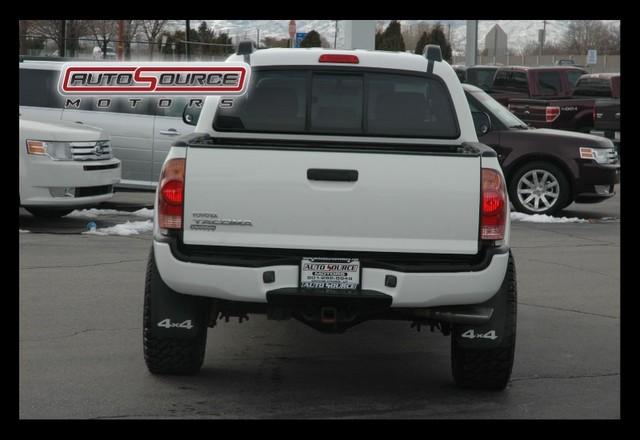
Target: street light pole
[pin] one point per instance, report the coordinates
(544, 36)
(186, 39)
(63, 49)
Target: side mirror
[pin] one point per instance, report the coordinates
(190, 115)
(482, 123)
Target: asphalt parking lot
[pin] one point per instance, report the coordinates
(80, 349)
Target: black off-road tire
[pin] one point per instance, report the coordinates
(565, 198)
(49, 213)
(490, 368)
(168, 355)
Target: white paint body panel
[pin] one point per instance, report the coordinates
(412, 290)
(400, 202)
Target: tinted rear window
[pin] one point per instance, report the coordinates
(549, 83)
(409, 106)
(593, 87)
(482, 78)
(342, 103)
(510, 80)
(573, 76)
(39, 88)
(336, 103)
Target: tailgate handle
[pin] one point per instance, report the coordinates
(332, 175)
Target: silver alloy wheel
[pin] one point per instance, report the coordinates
(538, 190)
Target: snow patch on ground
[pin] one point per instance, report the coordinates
(93, 212)
(144, 212)
(23, 231)
(542, 218)
(124, 229)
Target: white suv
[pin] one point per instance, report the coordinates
(343, 186)
(140, 136)
(64, 166)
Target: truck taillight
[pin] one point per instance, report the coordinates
(551, 113)
(493, 214)
(171, 194)
(338, 58)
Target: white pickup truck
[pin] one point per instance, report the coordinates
(343, 186)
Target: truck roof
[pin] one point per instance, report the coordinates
(484, 66)
(41, 64)
(566, 67)
(311, 56)
(601, 75)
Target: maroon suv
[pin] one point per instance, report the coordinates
(546, 169)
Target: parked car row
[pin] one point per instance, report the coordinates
(571, 167)
(565, 96)
(545, 169)
(141, 135)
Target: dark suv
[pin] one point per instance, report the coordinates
(546, 170)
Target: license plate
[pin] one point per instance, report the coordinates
(330, 273)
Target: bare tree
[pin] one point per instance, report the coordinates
(152, 29)
(24, 27)
(131, 29)
(550, 48)
(324, 42)
(582, 35)
(53, 30)
(104, 32)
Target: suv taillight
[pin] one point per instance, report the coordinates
(171, 194)
(551, 113)
(493, 214)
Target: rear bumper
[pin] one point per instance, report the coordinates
(413, 289)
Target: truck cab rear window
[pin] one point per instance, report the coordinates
(342, 103)
(593, 87)
(549, 83)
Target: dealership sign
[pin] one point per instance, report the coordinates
(98, 78)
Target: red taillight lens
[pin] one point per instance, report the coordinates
(551, 113)
(493, 215)
(337, 58)
(171, 194)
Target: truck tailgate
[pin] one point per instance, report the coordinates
(421, 203)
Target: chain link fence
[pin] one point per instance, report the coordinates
(605, 64)
(132, 50)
